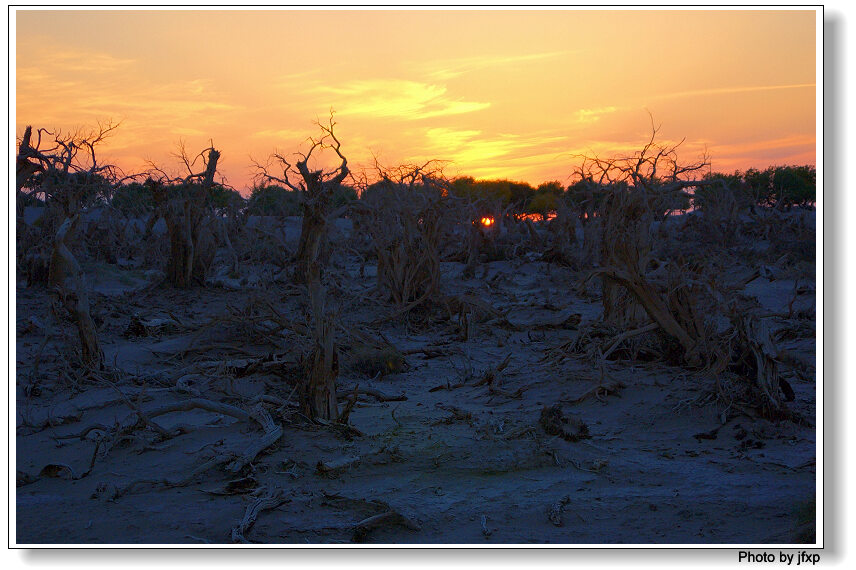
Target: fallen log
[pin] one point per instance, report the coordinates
(272, 433)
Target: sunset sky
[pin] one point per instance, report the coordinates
(512, 94)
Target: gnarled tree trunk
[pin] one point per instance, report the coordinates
(318, 390)
(191, 243)
(755, 339)
(318, 394)
(313, 232)
(625, 244)
(67, 277)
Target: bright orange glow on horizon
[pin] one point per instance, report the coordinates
(487, 221)
(497, 93)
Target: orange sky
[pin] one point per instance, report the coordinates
(497, 93)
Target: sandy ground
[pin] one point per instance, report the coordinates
(452, 464)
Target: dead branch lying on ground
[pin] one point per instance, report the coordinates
(390, 517)
(270, 500)
(555, 422)
(628, 335)
(377, 394)
(335, 467)
(108, 491)
(491, 377)
(232, 461)
(380, 514)
(606, 385)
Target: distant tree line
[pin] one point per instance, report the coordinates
(775, 186)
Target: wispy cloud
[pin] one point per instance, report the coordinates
(398, 98)
(290, 80)
(471, 149)
(171, 105)
(732, 90)
(189, 132)
(78, 61)
(468, 147)
(281, 134)
(789, 147)
(589, 116)
(450, 139)
(448, 69)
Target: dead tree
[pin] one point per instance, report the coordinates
(318, 391)
(404, 214)
(625, 243)
(65, 171)
(184, 204)
(481, 237)
(681, 300)
(638, 190)
(28, 162)
(562, 231)
(316, 188)
(721, 208)
(61, 172)
(760, 353)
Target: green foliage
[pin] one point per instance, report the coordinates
(759, 184)
(521, 192)
(586, 196)
(134, 199)
(223, 198)
(503, 191)
(482, 190)
(219, 197)
(773, 186)
(724, 190)
(794, 185)
(681, 201)
(545, 198)
(84, 189)
(543, 204)
(378, 191)
(273, 201)
(554, 187)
